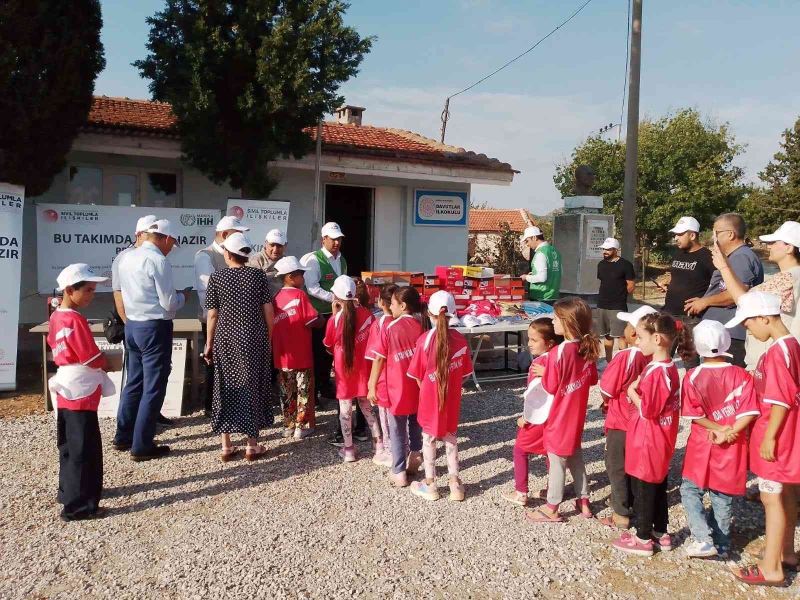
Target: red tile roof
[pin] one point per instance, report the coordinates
(488, 220)
(156, 118)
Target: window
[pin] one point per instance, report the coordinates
(120, 186)
(85, 185)
(124, 190)
(162, 189)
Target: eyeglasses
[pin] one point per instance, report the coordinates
(723, 231)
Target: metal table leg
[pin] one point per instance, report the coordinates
(474, 360)
(45, 390)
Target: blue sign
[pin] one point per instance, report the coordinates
(440, 208)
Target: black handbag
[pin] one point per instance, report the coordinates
(114, 327)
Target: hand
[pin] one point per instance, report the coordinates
(718, 257)
(372, 396)
(538, 370)
(520, 422)
(633, 394)
(529, 278)
(720, 436)
(208, 355)
(694, 306)
(604, 406)
(767, 449)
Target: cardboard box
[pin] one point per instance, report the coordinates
(377, 277)
(417, 279)
(443, 272)
(485, 286)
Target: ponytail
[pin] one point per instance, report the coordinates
(679, 336)
(349, 334)
(576, 317)
(442, 355)
(685, 344)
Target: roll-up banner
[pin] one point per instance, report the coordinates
(12, 199)
(260, 216)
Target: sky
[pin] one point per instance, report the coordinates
(733, 60)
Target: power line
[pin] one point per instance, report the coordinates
(446, 111)
(625, 81)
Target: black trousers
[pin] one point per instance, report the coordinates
(650, 507)
(621, 492)
(322, 362)
(738, 351)
(80, 459)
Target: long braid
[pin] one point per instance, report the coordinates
(442, 355)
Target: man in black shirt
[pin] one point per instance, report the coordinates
(616, 282)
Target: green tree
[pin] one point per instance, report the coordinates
(51, 54)
(778, 200)
(685, 168)
(245, 78)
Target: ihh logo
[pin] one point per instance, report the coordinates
(205, 220)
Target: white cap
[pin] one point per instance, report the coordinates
(344, 288)
(237, 243)
(530, 232)
(610, 243)
(144, 222)
(755, 304)
(76, 273)
(440, 300)
(276, 236)
(164, 227)
(332, 230)
(685, 224)
(711, 339)
(486, 319)
(230, 222)
(634, 317)
(789, 233)
(289, 264)
(468, 320)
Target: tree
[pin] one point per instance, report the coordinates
(778, 200)
(245, 78)
(51, 54)
(685, 168)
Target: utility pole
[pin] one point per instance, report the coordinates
(632, 137)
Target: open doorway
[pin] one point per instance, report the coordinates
(351, 207)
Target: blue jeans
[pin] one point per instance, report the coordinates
(149, 348)
(404, 434)
(711, 526)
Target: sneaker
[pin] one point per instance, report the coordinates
(301, 434)
(362, 435)
(288, 432)
(425, 490)
(348, 454)
(164, 422)
(382, 458)
(697, 549)
(336, 439)
(663, 542)
(515, 497)
(457, 492)
(398, 479)
(630, 544)
(413, 463)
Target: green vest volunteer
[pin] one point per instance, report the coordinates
(545, 277)
(324, 266)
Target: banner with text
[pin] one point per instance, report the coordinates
(12, 199)
(440, 208)
(75, 233)
(260, 216)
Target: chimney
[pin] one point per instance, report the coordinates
(349, 115)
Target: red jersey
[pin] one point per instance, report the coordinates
(291, 336)
(396, 345)
(375, 332)
(530, 437)
(423, 369)
(622, 371)
(777, 381)
(653, 429)
(353, 383)
(568, 377)
(73, 344)
(722, 393)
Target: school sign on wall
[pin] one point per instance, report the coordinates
(261, 216)
(440, 208)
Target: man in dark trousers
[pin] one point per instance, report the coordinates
(616, 282)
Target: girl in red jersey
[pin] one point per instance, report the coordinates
(541, 339)
(441, 361)
(391, 358)
(377, 394)
(775, 437)
(346, 338)
(569, 374)
(624, 369)
(652, 432)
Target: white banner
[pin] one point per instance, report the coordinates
(92, 234)
(12, 199)
(260, 216)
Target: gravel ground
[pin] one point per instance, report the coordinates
(301, 524)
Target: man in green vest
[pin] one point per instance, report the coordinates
(545, 276)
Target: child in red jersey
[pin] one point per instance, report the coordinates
(440, 363)
(652, 432)
(377, 394)
(291, 349)
(391, 358)
(541, 339)
(76, 389)
(624, 369)
(346, 338)
(720, 400)
(775, 437)
(569, 374)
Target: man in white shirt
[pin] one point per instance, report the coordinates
(274, 249)
(150, 299)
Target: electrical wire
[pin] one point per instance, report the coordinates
(625, 81)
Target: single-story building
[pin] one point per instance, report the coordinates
(485, 229)
(129, 155)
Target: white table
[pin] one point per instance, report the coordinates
(507, 328)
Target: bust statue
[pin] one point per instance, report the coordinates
(584, 180)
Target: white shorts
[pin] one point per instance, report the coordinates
(767, 486)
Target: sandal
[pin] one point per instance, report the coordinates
(515, 497)
(610, 522)
(753, 576)
(255, 452)
(787, 566)
(539, 516)
(229, 453)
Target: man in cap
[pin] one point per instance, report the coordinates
(151, 301)
(545, 276)
(616, 282)
(274, 248)
(207, 261)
